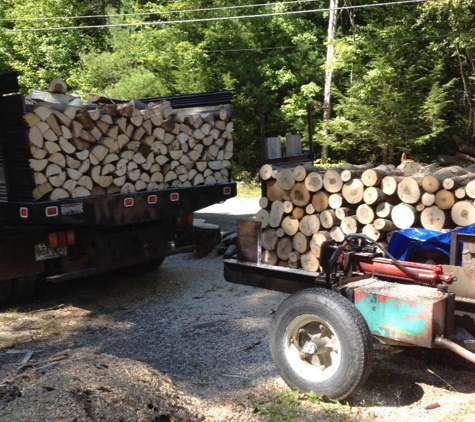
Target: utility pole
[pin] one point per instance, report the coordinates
(329, 70)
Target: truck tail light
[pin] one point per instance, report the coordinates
(64, 238)
(70, 237)
(52, 240)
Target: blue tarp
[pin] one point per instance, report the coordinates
(412, 241)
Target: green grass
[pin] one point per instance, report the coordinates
(250, 189)
(282, 406)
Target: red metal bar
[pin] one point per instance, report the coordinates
(383, 267)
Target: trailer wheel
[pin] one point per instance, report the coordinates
(23, 288)
(320, 342)
(5, 291)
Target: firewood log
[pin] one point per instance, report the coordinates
(444, 199)
(310, 262)
(463, 213)
(365, 214)
(309, 225)
(290, 225)
(403, 216)
(269, 257)
(353, 191)
(408, 190)
(332, 181)
(350, 224)
(284, 248)
(328, 218)
(313, 182)
(300, 242)
(434, 218)
(320, 201)
(370, 231)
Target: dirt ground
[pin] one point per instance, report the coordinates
(182, 344)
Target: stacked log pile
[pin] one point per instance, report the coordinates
(304, 207)
(84, 150)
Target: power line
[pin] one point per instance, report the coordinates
(308, 46)
(164, 12)
(216, 19)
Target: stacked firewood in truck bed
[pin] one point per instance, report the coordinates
(84, 150)
(304, 207)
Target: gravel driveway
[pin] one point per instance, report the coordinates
(226, 213)
(211, 338)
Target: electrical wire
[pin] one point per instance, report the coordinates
(164, 12)
(215, 19)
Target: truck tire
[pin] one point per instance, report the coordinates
(23, 288)
(320, 342)
(5, 291)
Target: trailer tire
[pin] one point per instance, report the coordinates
(5, 291)
(320, 342)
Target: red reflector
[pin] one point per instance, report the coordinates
(152, 199)
(62, 239)
(51, 211)
(52, 240)
(24, 212)
(175, 196)
(227, 190)
(71, 237)
(129, 202)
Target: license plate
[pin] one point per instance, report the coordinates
(43, 252)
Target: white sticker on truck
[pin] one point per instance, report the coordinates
(72, 209)
(43, 252)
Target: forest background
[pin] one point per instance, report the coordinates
(403, 72)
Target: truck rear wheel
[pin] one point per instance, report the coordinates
(320, 342)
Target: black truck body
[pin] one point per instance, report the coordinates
(76, 237)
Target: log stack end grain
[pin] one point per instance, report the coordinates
(125, 148)
(303, 208)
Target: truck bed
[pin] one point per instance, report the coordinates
(117, 209)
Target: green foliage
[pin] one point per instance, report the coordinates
(404, 76)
